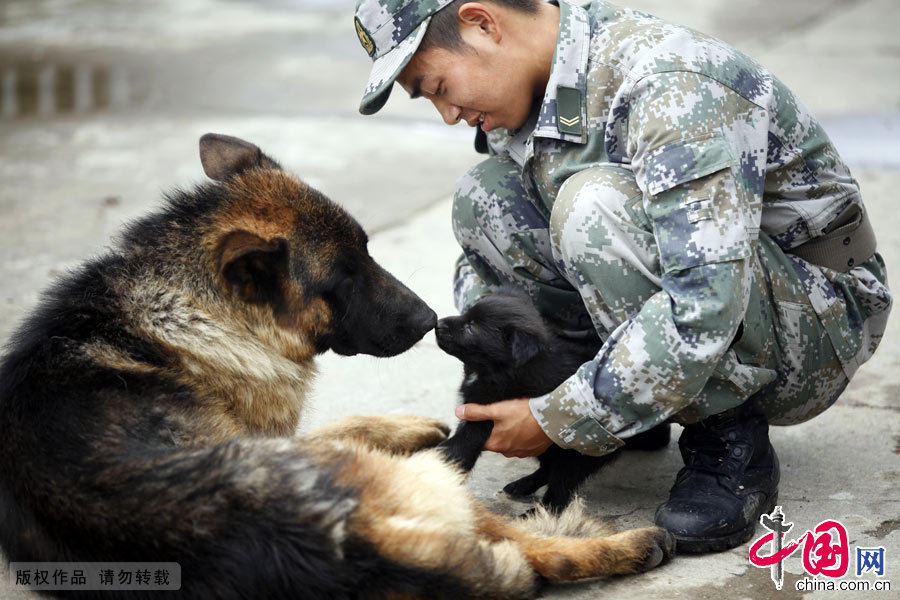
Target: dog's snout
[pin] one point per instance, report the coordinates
(424, 320)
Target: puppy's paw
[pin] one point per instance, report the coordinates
(526, 486)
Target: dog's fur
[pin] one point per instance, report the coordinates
(148, 408)
(509, 351)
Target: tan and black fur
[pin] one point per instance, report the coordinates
(148, 410)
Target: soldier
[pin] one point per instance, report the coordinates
(660, 189)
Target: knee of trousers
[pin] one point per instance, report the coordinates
(590, 206)
(490, 203)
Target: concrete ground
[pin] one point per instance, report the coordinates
(101, 106)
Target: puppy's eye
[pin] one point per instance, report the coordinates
(467, 328)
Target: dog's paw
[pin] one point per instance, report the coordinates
(525, 486)
(397, 434)
(658, 546)
(412, 433)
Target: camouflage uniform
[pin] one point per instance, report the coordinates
(654, 198)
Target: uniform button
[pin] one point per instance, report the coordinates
(851, 262)
(847, 241)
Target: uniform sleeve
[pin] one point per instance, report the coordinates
(695, 148)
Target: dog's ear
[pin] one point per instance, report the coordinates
(223, 156)
(252, 267)
(524, 346)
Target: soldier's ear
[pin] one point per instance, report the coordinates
(523, 346)
(483, 17)
(223, 156)
(252, 267)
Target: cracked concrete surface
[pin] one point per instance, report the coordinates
(287, 74)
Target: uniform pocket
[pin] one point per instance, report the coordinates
(746, 379)
(694, 204)
(795, 321)
(673, 164)
(837, 309)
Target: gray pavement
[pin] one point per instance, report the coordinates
(101, 105)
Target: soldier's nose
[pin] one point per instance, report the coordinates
(450, 113)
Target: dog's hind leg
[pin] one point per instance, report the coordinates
(417, 517)
(440, 563)
(566, 558)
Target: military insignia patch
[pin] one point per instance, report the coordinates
(568, 110)
(364, 38)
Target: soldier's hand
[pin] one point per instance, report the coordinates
(516, 432)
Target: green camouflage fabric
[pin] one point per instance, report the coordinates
(653, 199)
(390, 31)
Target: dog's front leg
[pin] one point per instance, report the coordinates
(465, 446)
(398, 434)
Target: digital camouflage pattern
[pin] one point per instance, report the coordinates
(651, 199)
(390, 31)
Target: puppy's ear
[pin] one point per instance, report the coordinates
(223, 156)
(524, 346)
(252, 267)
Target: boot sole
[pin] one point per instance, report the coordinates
(703, 545)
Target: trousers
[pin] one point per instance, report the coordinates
(590, 264)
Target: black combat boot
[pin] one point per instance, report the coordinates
(730, 477)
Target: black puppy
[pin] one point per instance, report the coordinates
(509, 351)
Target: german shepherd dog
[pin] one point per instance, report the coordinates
(509, 351)
(148, 410)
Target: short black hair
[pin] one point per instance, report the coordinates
(443, 30)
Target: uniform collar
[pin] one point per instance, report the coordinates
(562, 114)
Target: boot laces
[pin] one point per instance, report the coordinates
(719, 451)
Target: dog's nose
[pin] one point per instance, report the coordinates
(424, 321)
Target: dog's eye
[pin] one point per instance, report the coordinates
(467, 328)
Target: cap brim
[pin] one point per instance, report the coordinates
(386, 69)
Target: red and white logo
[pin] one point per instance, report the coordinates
(826, 550)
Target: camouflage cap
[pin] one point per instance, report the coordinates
(390, 31)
